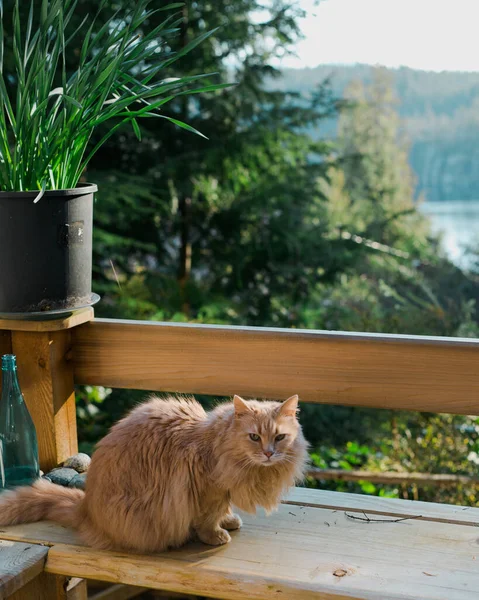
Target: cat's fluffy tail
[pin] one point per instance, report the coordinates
(42, 500)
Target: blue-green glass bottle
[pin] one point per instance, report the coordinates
(19, 464)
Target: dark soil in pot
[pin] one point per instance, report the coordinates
(46, 250)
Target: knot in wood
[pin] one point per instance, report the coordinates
(340, 573)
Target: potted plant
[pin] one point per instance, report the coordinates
(48, 113)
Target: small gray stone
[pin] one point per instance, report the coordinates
(62, 476)
(80, 462)
(78, 481)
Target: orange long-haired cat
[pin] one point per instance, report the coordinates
(170, 470)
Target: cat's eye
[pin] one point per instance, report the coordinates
(255, 437)
(280, 437)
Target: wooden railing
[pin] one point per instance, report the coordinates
(356, 369)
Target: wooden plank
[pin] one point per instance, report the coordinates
(46, 378)
(43, 587)
(400, 372)
(119, 592)
(19, 564)
(301, 553)
(77, 589)
(392, 477)
(44, 532)
(50, 534)
(391, 507)
(77, 318)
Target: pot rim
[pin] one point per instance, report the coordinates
(81, 190)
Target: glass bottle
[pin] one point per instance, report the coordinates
(19, 464)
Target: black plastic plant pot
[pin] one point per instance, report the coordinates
(46, 250)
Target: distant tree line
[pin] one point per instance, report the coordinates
(440, 115)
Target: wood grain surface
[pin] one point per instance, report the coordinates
(381, 371)
(19, 564)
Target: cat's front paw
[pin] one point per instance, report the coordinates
(215, 537)
(231, 522)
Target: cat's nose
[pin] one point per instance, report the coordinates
(268, 453)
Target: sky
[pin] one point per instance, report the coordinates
(434, 35)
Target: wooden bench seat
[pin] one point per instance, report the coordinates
(19, 564)
(309, 549)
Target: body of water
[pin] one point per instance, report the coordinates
(458, 222)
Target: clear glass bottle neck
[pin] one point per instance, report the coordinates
(10, 380)
(9, 362)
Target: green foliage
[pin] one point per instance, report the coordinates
(352, 457)
(48, 112)
(236, 223)
(409, 442)
(434, 443)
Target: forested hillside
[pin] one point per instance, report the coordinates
(441, 115)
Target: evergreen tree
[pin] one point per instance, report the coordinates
(238, 214)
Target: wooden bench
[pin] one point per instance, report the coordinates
(321, 545)
(316, 546)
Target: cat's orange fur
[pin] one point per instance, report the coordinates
(170, 470)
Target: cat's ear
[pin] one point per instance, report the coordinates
(240, 405)
(289, 408)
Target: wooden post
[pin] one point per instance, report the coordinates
(45, 372)
(77, 589)
(52, 587)
(46, 379)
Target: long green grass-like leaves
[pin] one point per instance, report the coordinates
(48, 116)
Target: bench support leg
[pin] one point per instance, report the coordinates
(52, 587)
